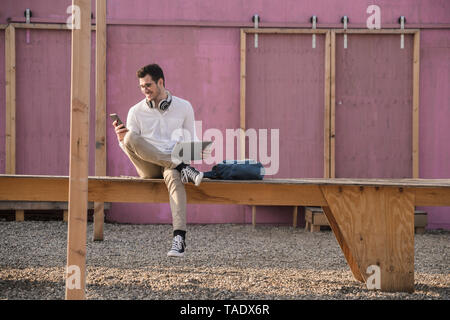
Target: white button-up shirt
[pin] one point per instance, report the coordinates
(163, 129)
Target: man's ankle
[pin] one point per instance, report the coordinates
(181, 233)
(181, 166)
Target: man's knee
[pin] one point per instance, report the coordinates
(130, 139)
(172, 175)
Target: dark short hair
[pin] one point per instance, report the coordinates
(153, 70)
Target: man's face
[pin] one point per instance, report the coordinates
(150, 88)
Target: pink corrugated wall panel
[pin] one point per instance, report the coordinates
(374, 100)
(285, 92)
(435, 115)
(200, 65)
(43, 103)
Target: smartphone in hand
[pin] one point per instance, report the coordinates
(115, 117)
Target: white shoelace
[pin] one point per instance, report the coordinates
(189, 173)
(177, 243)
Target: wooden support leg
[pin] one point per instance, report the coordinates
(20, 215)
(375, 226)
(294, 217)
(65, 215)
(343, 244)
(99, 218)
(307, 226)
(420, 230)
(254, 216)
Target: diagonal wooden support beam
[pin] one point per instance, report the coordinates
(343, 244)
(375, 226)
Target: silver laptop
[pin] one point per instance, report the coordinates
(192, 150)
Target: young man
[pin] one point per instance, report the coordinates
(153, 127)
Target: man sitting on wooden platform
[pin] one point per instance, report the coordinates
(154, 126)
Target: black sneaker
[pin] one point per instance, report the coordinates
(189, 174)
(178, 247)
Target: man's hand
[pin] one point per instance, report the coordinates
(120, 130)
(206, 153)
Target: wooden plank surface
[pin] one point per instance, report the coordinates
(428, 192)
(416, 183)
(79, 153)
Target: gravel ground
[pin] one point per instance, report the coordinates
(225, 261)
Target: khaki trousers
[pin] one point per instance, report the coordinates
(150, 163)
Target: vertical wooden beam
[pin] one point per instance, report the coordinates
(294, 217)
(333, 105)
(254, 216)
(10, 61)
(415, 115)
(100, 111)
(20, 215)
(79, 142)
(326, 134)
(242, 107)
(242, 94)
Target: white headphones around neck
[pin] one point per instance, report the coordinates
(163, 105)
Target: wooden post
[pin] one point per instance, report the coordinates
(415, 115)
(242, 96)
(294, 217)
(79, 141)
(10, 137)
(254, 216)
(326, 133)
(100, 111)
(20, 215)
(333, 106)
(10, 60)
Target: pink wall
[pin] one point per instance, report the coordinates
(202, 65)
(434, 114)
(374, 99)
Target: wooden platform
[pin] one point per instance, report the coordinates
(316, 220)
(372, 219)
